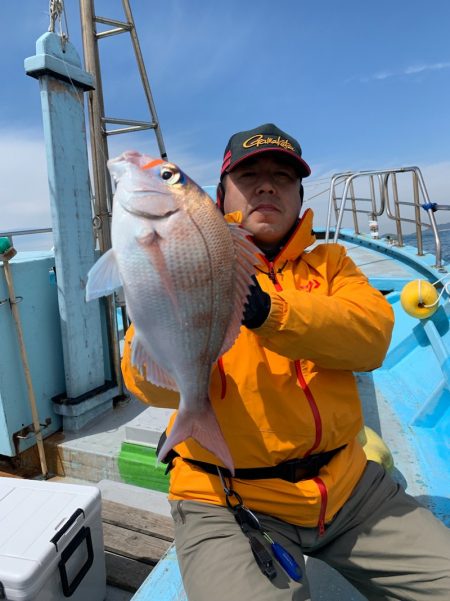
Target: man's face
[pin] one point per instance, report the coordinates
(266, 189)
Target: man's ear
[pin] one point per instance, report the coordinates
(302, 193)
(220, 195)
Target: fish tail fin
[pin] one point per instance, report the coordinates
(205, 429)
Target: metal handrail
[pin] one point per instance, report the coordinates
(390, 207)
(11, 233)
(47, 230)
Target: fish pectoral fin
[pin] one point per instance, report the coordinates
(202, 427)
(246, 259)
(148, 367)
(103, 277)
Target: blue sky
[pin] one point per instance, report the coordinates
(359, 84)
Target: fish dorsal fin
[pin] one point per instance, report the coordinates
(103, 277)
(245, 252)
(151, 370)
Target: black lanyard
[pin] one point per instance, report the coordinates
(248, 523)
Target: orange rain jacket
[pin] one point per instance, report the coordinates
(286, 389)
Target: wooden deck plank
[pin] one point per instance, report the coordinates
(125, 573)
(8, 475)
(135, 540)
(138, 520)
(133, 545)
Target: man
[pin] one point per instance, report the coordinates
(288, 406)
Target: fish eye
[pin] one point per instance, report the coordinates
(171, 175)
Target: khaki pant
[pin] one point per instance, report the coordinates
(382, 541)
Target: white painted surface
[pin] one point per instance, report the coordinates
(135, 496)
(147, 427)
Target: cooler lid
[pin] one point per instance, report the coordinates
(32, 513)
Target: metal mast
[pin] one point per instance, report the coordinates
(99, 133)
(97, 118)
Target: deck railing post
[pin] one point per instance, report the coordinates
(62, 83)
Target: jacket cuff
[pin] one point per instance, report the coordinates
(275, 318)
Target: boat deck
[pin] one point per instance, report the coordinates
(392, 398)
(384, 271)
(135, 540)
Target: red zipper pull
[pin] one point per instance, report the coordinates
(272, 275)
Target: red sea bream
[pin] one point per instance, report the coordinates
(185, 273)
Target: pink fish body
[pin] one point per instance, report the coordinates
(185, 274)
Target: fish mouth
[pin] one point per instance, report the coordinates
(147, 215)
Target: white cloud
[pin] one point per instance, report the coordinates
(410, 70)
(419, 68)
(24, 190)
(182, 150)
(382, 75)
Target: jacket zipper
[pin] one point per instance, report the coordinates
(273, 277)
(316, 415)
(312, 404)
(298, 369)
(323, 504)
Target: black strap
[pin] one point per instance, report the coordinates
(293, 470)
(262, 557)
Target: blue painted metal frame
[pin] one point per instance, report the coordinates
(164, 582)
(42, 333)
(62, 83)
(409, 405)
(413, 405)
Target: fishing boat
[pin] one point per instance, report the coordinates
(64, 419)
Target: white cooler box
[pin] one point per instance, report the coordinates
(51, 542)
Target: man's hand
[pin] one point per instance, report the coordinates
(257, 307)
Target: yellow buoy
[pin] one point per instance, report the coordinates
(419, 299)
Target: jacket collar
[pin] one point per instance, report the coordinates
(299, 240)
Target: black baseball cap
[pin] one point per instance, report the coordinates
(265, 138)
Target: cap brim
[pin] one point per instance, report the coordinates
(303, 167)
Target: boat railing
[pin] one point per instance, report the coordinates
(11, 233)
(384, 199)
(29, 232)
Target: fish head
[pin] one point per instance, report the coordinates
(149, 187)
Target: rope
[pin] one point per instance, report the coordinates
(445, 288)
(57, 9)
(318, 194)
(419, 285)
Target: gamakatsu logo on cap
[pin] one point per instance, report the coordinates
(260, 140)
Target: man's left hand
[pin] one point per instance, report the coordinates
(257, 307)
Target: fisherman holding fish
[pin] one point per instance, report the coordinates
(253, 334)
